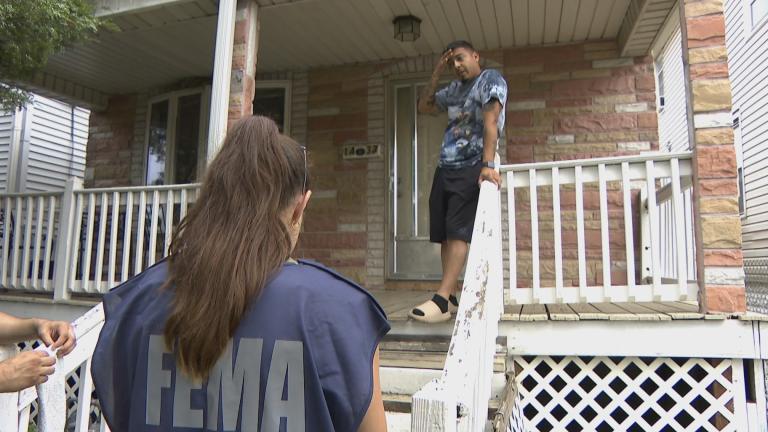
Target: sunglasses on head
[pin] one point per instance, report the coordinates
(304, 151)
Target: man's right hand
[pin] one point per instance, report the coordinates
(27, 369)
(426, 104)
(442, 63)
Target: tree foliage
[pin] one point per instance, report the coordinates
(33, 30)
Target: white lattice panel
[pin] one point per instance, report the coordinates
(765, 377)
(71, 385)
(756, 280)
(627, 394)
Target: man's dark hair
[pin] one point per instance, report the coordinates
(459, 44)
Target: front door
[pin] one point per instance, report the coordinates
(416, 150)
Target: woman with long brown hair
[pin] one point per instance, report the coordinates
(230, 333)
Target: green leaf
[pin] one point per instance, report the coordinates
(33, 30)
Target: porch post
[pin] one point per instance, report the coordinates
(244, 53)
(716, 210)
(234, 68)
(222, 62)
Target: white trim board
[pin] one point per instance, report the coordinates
(727, 338)
(693, 338)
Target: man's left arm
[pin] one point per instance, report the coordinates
(491, 112)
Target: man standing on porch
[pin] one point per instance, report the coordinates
(475, 104)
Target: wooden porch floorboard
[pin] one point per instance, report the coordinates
(397, 303)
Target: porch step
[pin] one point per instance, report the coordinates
(402, 404)
(409, 362)
(427, 352)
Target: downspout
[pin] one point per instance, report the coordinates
(14, 150)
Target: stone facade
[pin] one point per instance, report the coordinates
(718, 226)
(336, 226)
(110, 141)
(562, 105)
(244, 54)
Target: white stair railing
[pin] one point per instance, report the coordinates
(458, 400)
(51, 395)
(572, 234)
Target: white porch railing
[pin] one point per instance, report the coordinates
(578, 220)
(590, 239)
(86, 241)
(29, 222)
(119, 232)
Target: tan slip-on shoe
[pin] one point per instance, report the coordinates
(429, 312)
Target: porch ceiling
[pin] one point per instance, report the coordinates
(155, 46)
(163, 41)
(317, 33)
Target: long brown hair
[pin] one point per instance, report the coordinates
(232, 240)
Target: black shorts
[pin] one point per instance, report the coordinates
(453, 203)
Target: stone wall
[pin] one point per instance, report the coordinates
(718, 225)
(577, 102)
(110, 141)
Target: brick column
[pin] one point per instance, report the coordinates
(716, 212)
(244, 50)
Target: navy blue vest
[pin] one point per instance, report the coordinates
(300, 359)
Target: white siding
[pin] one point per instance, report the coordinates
(748, 66)
(673, 120)
(54, 140)
(6, 136)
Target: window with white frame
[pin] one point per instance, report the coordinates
(273, 99)
(176, 130)
(739, 158)
(660, 85)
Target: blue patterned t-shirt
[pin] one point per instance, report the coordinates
(464, 101)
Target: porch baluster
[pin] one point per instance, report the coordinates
(151, 253)
(512, 239)
(34, 280)
(604, 238)
(169, 205)
(113, 241)
(628, 231)
(16, 234)
(534, 237)
(7, 221)
(88, 243)
(654, 230)
(25, 246)
(142, 209)
(78, 222)
(127, 236)
(103, 213)
(558, 235)
(183, 206)
(679, 227)
(50, 230)
(580, 232)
